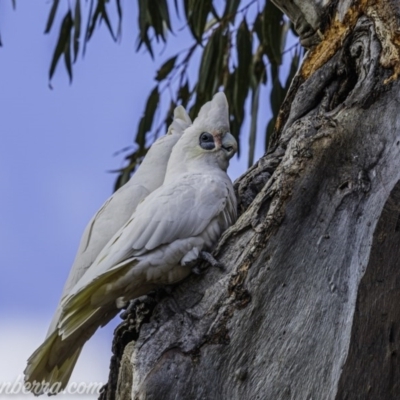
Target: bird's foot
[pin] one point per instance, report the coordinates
(133, 304)
(200, 268)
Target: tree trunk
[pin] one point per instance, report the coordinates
(309, 306)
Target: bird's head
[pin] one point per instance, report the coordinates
(207, 142)
(180, 122)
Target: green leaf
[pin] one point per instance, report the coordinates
(188, 6)
(147, 119)
(292, 72)
(156, 22)
(67, 58)
(93, 20)
(272, 29)
(207, 64)
(184, 94)
(144, 23)
(242, 77)
(235, 122)
(77, 28)
(89, 18)
(258, 27)
(143, 17)
(163, 10)
(253, 126)
(259, 70)
(106, 19)
(269, 131)
(197, 12)
(119, 11)
(277, 96)
(165, 69)
(176, 7)
(52, 14)
(231, 7)
(63, 40)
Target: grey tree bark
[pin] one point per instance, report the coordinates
(309, 306)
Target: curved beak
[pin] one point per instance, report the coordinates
(229, 144)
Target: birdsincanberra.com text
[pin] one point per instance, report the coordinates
(19, 387)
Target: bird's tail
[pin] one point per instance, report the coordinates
(42, 375)
(50, 366)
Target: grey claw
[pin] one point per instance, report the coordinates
(200, 268)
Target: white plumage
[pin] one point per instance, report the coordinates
(156, 246)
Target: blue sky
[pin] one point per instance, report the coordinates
(57, 146)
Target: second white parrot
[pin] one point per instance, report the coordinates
(118, 208)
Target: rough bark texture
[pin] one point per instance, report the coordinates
(308, 307)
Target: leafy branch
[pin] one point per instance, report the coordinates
(241, 49)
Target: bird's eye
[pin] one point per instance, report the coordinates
(206, 141)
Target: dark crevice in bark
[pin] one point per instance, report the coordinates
(125, 333)
(372, 367)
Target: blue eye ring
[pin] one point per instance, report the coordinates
(206, 141)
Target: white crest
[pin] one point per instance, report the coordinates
(214, 114)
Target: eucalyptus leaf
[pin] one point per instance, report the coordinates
(52, 14)
(63, 39)
(147, 119)
(67, 58)
(272, 30)
(253, 125)
(231, 7)
(166, 68)
(77, 28)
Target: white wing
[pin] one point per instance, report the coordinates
(176, 211)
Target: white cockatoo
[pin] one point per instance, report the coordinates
(156, 246)
(118, 208)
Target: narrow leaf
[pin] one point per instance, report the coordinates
(157, 23)
(77, 28)
(277, 94)
(269, 131)
(184, 94)
(106, 19)
(221, 64)
(292, 72)
(119, 11)
(242, 76)
(176, 7)
(164, 13)
(272, 32)
(63, 38)
(166, 68)
(67, 58)
(144, 23)
(93, 20)
(231, 8)
(207, 63)
(52, 14)
(253, 126)
(89, 18)
(147, 119)
(258, 27)
(197, 12)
